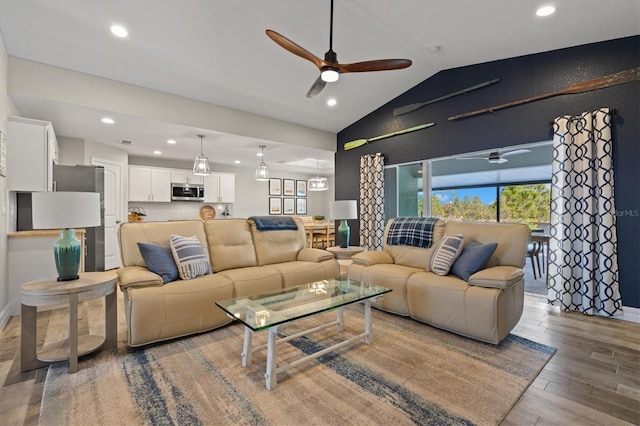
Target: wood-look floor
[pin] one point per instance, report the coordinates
(593, 379)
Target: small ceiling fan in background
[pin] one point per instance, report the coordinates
(497, 157)
(330, 69)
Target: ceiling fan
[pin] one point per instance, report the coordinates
(497, 157)
(330, 69)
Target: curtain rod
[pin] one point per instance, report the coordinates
(612, 111)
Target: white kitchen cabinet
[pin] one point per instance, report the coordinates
(31, 153)
(220, 188)
(186, 176)
(149, 184)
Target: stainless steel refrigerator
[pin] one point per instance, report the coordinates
(76, 179)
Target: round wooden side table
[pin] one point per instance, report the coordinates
(90, 285)
(343, 255)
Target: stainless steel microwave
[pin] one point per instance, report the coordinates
(187, 192)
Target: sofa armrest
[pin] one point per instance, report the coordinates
(497, 277)
(137, 276)
(314, 255)
(368, 258)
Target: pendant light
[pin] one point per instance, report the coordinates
(318, 183)
(262, 171)
(201, 165)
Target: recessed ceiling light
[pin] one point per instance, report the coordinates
(171, 141)
(332, 102)
(236, 162)
(156, 152)
(545, 11)
(107, 120)
(119, 31)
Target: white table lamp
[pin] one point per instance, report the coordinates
(65, 211)
(343, 210)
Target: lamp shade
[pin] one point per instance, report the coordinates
(344, 209)
(66, 210)
(56, 210)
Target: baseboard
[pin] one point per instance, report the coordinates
(629, 314)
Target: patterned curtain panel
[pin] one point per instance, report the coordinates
(371, 201)
(583, 261)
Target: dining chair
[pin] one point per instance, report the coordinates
(533, 251)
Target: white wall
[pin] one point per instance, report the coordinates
(6, 108)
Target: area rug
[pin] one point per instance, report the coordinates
(411, 374)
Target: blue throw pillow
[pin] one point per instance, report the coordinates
(473, 258)
(159, 260)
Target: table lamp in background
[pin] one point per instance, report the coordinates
(65, 211)
(343, 210)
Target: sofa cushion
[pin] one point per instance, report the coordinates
(416, 257)
(191, 258)
(230, 244)
(278, 246)
(445, 253)
(159, 260)
(129, 234)
(473, 258)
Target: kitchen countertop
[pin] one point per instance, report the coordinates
(36, 233)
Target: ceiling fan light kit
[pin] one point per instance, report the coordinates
(329, 68)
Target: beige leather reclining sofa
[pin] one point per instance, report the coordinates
(486, 307)
(243, 260)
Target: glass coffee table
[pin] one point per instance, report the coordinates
(271, 309)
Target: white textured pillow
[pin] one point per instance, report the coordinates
(445, 253)
(190, 257)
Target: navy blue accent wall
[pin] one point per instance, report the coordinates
(520, 77)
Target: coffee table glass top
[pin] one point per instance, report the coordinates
(267, 309)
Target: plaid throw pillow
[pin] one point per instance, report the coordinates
(191, 258)
(445, 253)
(411, 231)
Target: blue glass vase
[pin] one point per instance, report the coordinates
(343, 234)
(66, 252)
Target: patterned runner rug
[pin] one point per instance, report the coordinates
(411, 374)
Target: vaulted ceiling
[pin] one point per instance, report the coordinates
(216, 51)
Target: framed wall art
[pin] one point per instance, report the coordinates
(275, 205)
(288, 187)
(275, 186)
(301, 188)
(288, 206)
(301, 206)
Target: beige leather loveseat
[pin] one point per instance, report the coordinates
(486, 307)
(243, 260)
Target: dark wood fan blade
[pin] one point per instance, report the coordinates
(316, 88)
(375, 65)
(294, 48)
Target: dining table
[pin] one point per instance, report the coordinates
(311, 228)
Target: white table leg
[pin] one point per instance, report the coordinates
(73, 333)
(340, 319)
(246, 347)
(367, 322)
(271, 375)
